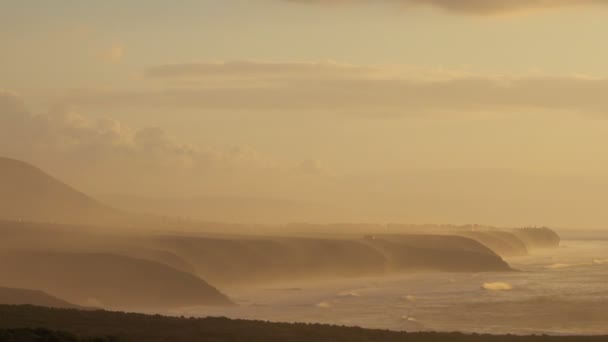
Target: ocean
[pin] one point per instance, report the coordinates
(558, 291)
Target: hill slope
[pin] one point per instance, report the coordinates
(14, 296)
(107, 280)
(28, 193)
(230, 260)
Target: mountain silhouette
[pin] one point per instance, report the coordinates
(29, 193)
(106, 280)
(17, 296)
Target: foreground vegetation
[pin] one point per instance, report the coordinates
(29, 323)
(47, 335)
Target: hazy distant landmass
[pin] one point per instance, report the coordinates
(513, 242)
(28, 193)
(15, 296)
(60, 241)
(107, 280)
(538, 237)
(131, 327)
(239, 259)
(230, 259)
(506, 242)
(250, 210)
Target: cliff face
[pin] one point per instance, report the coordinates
(236, 259)
(230, 260)
(93, 262)
(106, 280)
(505, 242)
(514, 242)
(538, 237)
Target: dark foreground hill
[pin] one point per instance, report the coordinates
(28, 193)
(23, 321)
(47, 335)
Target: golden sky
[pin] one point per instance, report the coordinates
(437, 105)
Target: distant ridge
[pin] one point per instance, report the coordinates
(15, 296)
(28, 193)
(106, 280)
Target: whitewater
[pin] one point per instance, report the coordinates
(555, 291)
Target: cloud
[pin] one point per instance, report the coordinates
(294, 86)
(257, 69)
(104, 153)
(67, 134)
(477, 7)
(114, 53)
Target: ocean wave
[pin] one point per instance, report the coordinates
(409, 298)
(350, 294)
(594, 262)
(563, 265)
(324, 305)
(497, 286)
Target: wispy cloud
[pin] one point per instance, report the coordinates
(98, 151)
(303, 86)
(258, 69)
(478, 7)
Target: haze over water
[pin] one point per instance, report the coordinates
(563, 291)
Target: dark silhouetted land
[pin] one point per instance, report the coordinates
(14, 296)
(139, 328)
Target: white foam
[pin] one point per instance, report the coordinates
(324, 305)
(351, 294)
(497, 286)
(409, 298)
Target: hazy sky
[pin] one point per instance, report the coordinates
(319, 100)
